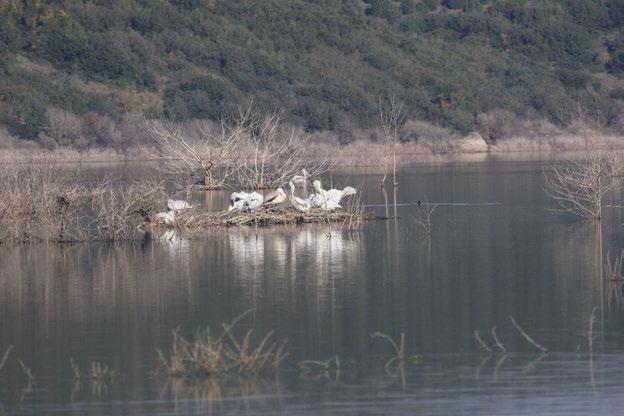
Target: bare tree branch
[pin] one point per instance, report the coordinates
(392, 117)
(580, 186)
(276, 154)
(208, 161)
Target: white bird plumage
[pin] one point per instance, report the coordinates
(252, 201)
(177, 205)
(319, 197)
(165, 218)
(330, 205)
(316, 200)
(325, 199)
(276, 197)
(299, 204)
(245, 201)
(329, 199)
(337, 194)
(237, 199)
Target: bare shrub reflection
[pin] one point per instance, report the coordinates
(615, 280)
(313, 369)
(212, 395)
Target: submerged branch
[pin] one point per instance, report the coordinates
(5, 356)
(527, 336)
(480, 341)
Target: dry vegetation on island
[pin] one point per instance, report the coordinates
(254, 152)
(352, 217)
(46, 201)
(48, 204)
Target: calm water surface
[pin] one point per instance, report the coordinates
(325, 290)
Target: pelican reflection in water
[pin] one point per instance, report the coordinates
(281, 251)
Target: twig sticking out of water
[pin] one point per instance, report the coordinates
(497, 341)
(333, 363)
(499, 364)
(527, 336)
(325, 365)
(531, 366)
(100, 371)
(26, 370)
(481, 342)
(613, 270)
(97, 372)
(399, 349)
(590, 331)
(6, 355)
(613, 275)
(75, 368)
(423, 217)
(483, 363)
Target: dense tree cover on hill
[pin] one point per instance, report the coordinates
(325, 63)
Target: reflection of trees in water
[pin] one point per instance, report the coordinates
(214, 396)
(583, 255)
(574, 261)
(286, 268)
(176, 244)
(292, 253)
(78, 299)
(84, 277)
(323, 288)
(296, 278)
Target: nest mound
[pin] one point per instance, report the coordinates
(267, 216)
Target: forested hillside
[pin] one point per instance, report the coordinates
(325, 63)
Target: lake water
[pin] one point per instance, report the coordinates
(495, 251)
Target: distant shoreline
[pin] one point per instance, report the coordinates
(359, 154)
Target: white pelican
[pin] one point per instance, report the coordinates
(330, 205)
(330, 199)
(317, 200)
(299, 204)
(176, 205)
(252, 201)
(276, 197)
(300, 179)
(317, 188)
(319, 197)
(237, 199)
(336, 194)
(165, 218)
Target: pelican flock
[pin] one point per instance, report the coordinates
(327, 200)
(243, 201)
